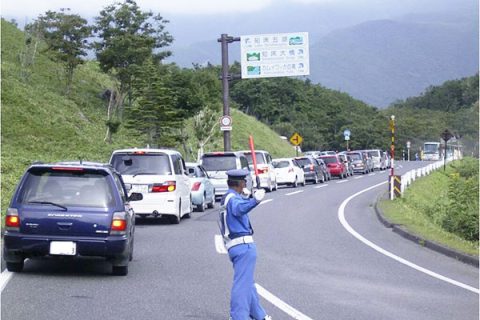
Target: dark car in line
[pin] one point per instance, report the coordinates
(313, 172)
(70, 210)
(324, 168)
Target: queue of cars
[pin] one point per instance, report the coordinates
(71, 209)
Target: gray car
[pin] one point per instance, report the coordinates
(359, 162)
(218, 163)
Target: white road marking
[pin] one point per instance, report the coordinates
(291, 311)
(322, 186)
(292, 193)
(359, 177)
(5, 276)
(343, 221)
(371, 174)
(265, 201)
(343, 181)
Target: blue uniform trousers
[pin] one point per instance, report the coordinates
(244, 303)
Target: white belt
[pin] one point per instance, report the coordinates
(239, 240)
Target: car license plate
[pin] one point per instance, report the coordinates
(63, 248)
(140, 188)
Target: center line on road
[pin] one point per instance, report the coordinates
(359, 177)
(346, 225)
(318, 187)
(291, 311)
(266, 201)
(291, 193)
(342, 181)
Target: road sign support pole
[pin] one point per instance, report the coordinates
(225, 40)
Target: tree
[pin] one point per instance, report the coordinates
(128, 37)
(66, 38)
(153, 112)
(204, 126)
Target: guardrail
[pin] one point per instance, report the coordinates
(406, 179)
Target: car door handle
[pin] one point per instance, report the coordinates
(64, 225)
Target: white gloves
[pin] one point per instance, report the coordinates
(259, 194)
(246, 193)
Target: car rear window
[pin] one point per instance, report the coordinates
(281, 164)
(374, 153)
(260, 157)
(219, 162)
(195, 172)
(86, 188)
(303, 161)
(355, 156)
(329, 159)
(144, 163)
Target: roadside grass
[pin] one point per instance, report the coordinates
(423, 208)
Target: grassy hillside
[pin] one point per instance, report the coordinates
(40, 123)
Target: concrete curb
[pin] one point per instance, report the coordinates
(402, 231)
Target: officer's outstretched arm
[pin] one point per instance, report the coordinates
(240, 206)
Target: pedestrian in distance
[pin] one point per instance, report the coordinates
(238, 237)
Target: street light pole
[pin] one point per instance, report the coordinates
(225, 40)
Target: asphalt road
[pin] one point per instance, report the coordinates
(306, 258)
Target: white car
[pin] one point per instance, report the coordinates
(161, 177)
(265, 169)
(288, 171)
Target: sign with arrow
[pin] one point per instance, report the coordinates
(296, 139)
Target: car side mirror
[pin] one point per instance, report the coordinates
(135, 196)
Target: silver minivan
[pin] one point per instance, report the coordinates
(218, 163)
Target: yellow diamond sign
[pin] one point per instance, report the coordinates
(296, 139)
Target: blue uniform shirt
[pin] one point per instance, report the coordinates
(237, 214)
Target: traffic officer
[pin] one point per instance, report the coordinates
(244, 302)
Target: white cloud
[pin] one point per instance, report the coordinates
(32, 8)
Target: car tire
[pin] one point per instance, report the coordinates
(202, 206)
(212, 203)
(175, 219)
(130, 255)
(15, 266)
(275, 187)
(188, 214)
(270, 186)
(295, 183)
(120, 270)
(315, 181)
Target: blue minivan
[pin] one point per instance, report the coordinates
(70, 209)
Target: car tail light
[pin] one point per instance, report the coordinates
(167, 186)
(311, 167)
(67, 169)
(196, 186)
(119, 223)
(12, 220)
(290, 170)
(262, 170)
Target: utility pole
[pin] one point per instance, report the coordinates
(225, 40)
(392, 153)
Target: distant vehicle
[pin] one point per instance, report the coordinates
(311, 169)
(378, 161)
(369, 160)
(431, 151)
(266, 173)
(288, 171)
(335, 166)
(323, 167)
(388, 161)
(359, 161)
(328, 153)
(314, 154)
(70, 209)
(161, 177)
(203, 192)
(348, 163)
(218, 163)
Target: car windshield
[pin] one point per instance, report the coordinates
(329, 159)
(375, 153)
(303, 161)
(219, 162)
(281, 164)
(355, 156)
(142, 163)
(430, 148)
(67, 188)
(260, 157)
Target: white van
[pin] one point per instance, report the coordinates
(265, 169)
(161, 176)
